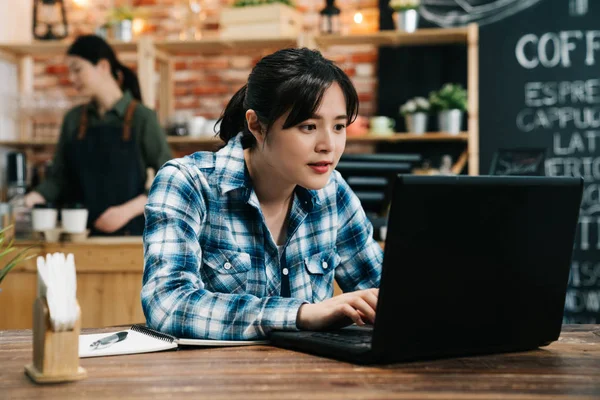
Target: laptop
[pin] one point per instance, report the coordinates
(472, 265)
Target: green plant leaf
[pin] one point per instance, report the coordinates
(450, 96)
(7, 248)
(19, 258)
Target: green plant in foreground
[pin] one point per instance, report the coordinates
(7, 247)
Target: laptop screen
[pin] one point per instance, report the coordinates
(477, 261)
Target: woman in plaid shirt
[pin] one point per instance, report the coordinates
(249, 239)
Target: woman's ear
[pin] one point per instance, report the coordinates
(104, 66)
(255, 126)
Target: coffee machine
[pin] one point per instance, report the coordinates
(16, 183)
(16, 174)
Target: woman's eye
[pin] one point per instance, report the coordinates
(308, 127)
(340, 127)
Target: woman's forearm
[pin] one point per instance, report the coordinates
(135, 206)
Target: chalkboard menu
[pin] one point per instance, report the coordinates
(540, 87)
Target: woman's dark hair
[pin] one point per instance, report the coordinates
(93, 48)
(288, 80)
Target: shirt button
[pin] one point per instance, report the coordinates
(324, 265)
(227, 265)
(285, 271)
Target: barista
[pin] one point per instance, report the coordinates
(105, 146)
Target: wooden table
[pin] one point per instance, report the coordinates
(567, 369)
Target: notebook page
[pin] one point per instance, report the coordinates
(134, 343)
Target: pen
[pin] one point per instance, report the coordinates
(109, 340)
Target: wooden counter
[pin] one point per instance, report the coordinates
(109, 281)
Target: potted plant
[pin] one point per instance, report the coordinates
(406, 15)
(415, 112)
(7, 247)
(120, 21)
(450, 102)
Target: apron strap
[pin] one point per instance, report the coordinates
(83, 121)
(128, 118)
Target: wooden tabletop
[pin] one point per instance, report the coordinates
(567, 369)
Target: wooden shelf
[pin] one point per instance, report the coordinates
(430, 36)
(180, 141)
(49, 48)
(19, 144)
(410, 137)
(172, 140)
(218, 44)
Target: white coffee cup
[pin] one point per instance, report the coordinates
(43, 219)
(211, 127)
(197, 126)
(74, 220)
(381, 125)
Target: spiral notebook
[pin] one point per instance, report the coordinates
(141, 339)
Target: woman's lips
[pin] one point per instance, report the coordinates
(320, 167)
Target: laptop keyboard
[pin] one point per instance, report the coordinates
(349, 336)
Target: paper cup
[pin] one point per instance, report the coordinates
(43, 219)
(74, 220)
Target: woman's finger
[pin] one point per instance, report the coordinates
(361, 305)
(370, 298)
(352, 313)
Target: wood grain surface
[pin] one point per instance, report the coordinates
(567, 369)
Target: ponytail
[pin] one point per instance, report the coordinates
(233, 119)
(129, 82)
(93, 48)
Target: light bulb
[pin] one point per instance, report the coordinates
(80, 3)
(137, 26)
(358, 17)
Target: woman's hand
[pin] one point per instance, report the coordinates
(113, 219)
(339, 311)
(33, 198)
(116, 217)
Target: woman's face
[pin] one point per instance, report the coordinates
(307, 154)
(86, 77)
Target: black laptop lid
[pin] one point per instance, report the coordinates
(474, 263)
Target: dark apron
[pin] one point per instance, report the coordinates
(104, 162)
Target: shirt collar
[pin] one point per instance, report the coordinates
(233, 174)
(120, 107)
(231, 168)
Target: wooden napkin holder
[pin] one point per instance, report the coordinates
(55, 354)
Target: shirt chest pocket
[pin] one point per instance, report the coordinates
(320, 268)
(225, 271)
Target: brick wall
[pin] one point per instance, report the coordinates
(204, 84)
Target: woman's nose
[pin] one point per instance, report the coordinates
(325, 142)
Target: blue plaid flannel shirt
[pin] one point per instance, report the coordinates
(212, 269)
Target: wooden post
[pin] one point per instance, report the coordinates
(25, 71)
(55, 354)
(473, 97)
(166, 91)
(146, 59)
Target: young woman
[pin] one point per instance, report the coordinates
(249, 239)
(105, 146)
